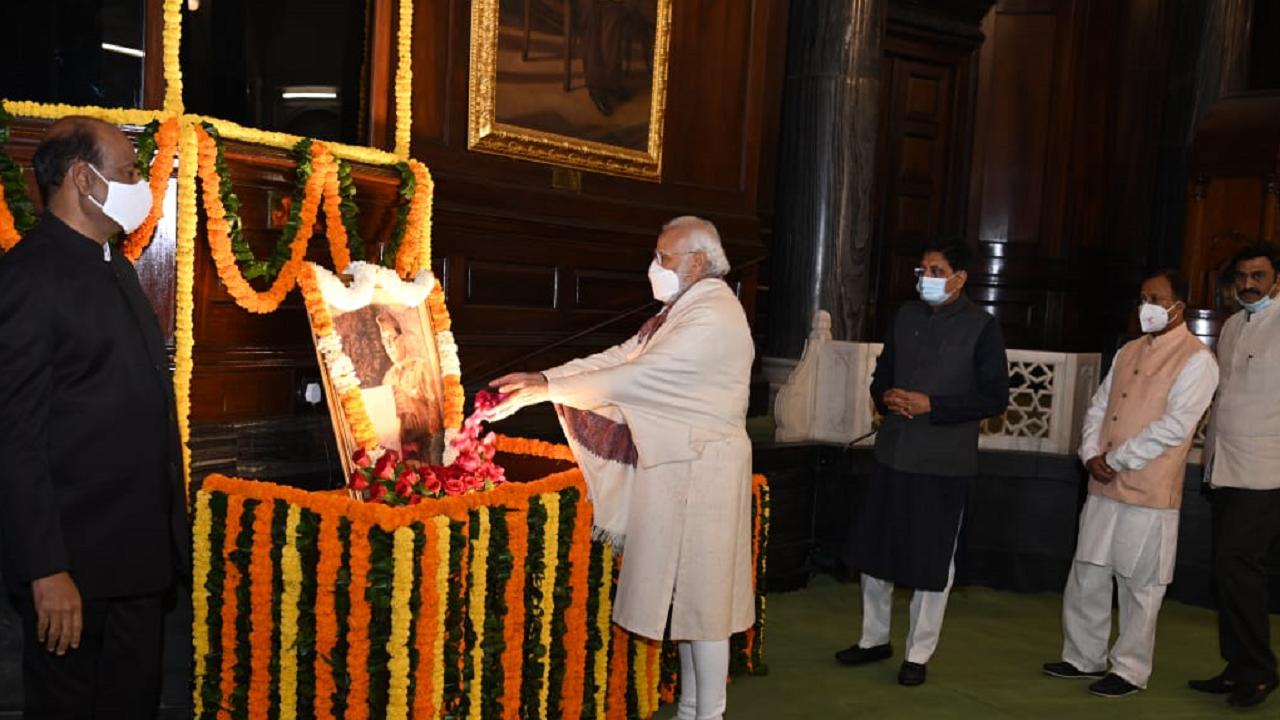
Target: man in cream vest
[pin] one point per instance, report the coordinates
(658, 425)
(1242, 464)
(1137, 434)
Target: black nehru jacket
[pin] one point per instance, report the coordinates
(90, 478)
(956, 356)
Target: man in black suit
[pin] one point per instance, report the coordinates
(93, 526)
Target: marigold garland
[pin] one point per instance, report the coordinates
(435, 570)
(291, 573)
(159, 172)
(603, 615)
(479, 586)
(230, 603)
(639, 668)
(404, 78)
(546, 605)
(172, 56)
(575, 641)
(513, 645)
(401, 616)
(184, 297)
(260, 625)
(330, 562)
(201, 562)
(358, 632)
(351, 399)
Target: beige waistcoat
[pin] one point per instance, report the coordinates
(1142, 375)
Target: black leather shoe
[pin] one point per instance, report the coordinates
(1248, 695)
(1220, 684)
(1113, 686)
(1067, 670)
(911, 674)
(855, 655)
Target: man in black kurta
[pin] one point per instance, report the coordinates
(942, 371)
(92, 509)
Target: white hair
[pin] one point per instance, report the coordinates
(701, 236)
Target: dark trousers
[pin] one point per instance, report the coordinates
(115, 673)
(1246, 526)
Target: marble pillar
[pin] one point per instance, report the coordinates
(826, 167)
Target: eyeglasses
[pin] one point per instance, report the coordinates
(661, 256)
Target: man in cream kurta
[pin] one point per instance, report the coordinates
(1137, 434)
(1242, 464)
(658, 426)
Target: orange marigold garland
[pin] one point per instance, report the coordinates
(230, 605)
(416, 244)
(576, 620)
(220, 239)
(358, 634)
(430, 632)
(328, 343)
(329, 547)
(260, 623)
(513, 638)
(166, 141)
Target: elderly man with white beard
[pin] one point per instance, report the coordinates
(658, 426)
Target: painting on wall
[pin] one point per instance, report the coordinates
(576, 83)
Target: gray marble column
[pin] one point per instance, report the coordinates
(826, 166)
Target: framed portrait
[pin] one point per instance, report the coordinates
(576, 83)
(381, 339)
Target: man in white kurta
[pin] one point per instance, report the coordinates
(1242, 464)
(658, 425)
(1137, 433)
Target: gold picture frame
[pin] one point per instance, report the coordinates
(517, 110)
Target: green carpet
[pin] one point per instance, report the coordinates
(987, 664)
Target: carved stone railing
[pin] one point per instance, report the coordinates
(1049, 393)
(828, 398)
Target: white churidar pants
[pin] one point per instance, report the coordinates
(1137, 547)
(927, 610)
(704, 677)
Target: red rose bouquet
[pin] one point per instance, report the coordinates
(402, 478)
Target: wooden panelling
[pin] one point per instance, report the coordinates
(609, 291)
(511, 284)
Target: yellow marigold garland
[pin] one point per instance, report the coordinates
(401, 617)
(639, 672)
(291, 575)
(55, 111)
(184, 298)
(201, 564)
(476, 605)
(603, 615)
(546, 604)
(172, 56)
(404, 78)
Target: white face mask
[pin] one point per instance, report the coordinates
(127, 204)
(665, 283)
(1153, 318)
(933, 290)
(1258, 305)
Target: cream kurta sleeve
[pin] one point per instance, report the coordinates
(668, 378)
(615, 355)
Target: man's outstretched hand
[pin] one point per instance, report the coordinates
(522, 390)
